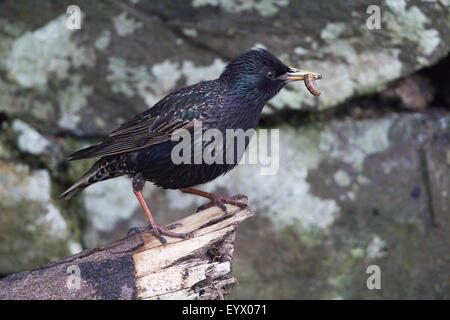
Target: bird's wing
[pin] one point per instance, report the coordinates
(149, 128)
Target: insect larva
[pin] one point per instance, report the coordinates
(310, 85)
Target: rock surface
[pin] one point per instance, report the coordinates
(128, 54)
(33, 230)
(381, 185)
(347, 194)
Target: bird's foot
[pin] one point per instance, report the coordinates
(149, 227)
(161, 231)
(236, 200)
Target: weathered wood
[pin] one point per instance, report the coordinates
(140, 267)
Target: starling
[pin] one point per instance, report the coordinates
(141, 148)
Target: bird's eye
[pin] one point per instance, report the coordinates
(270, 74)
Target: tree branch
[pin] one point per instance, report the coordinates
(140, 267)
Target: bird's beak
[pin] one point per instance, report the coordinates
(296, 74)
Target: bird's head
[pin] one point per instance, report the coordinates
(258, 75)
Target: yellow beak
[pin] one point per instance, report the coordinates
(296, 74)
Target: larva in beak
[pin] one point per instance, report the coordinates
(310, 85)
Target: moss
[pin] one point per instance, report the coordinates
(28, 61)
(125, 25)
(32, 230)
(71, 100)
(190, 32)
(291, 267)
(411, 27)
(25, 244)
(265, 8)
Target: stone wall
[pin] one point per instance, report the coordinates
(362, 180)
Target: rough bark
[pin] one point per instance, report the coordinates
(140, 267)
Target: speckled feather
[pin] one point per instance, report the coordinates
(143, 145)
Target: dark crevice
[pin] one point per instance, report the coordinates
(439, 76)
(368, 106)
(3, 117)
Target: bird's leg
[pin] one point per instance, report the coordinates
(159, 231)
(217, 200)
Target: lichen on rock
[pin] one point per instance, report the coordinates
(29, 140)
(47, 51)
(29, 214)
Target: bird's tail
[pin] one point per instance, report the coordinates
(103, 169)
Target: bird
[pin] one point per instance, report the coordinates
(142, 147)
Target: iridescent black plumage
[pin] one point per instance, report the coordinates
(141, 148)
(142, 145)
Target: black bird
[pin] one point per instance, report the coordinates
(141, 148)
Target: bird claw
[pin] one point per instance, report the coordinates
(220, 202)
(137, 230)
(160, 231)
(239, 196)
(172, 226)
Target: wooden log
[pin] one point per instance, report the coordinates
(140, 267)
